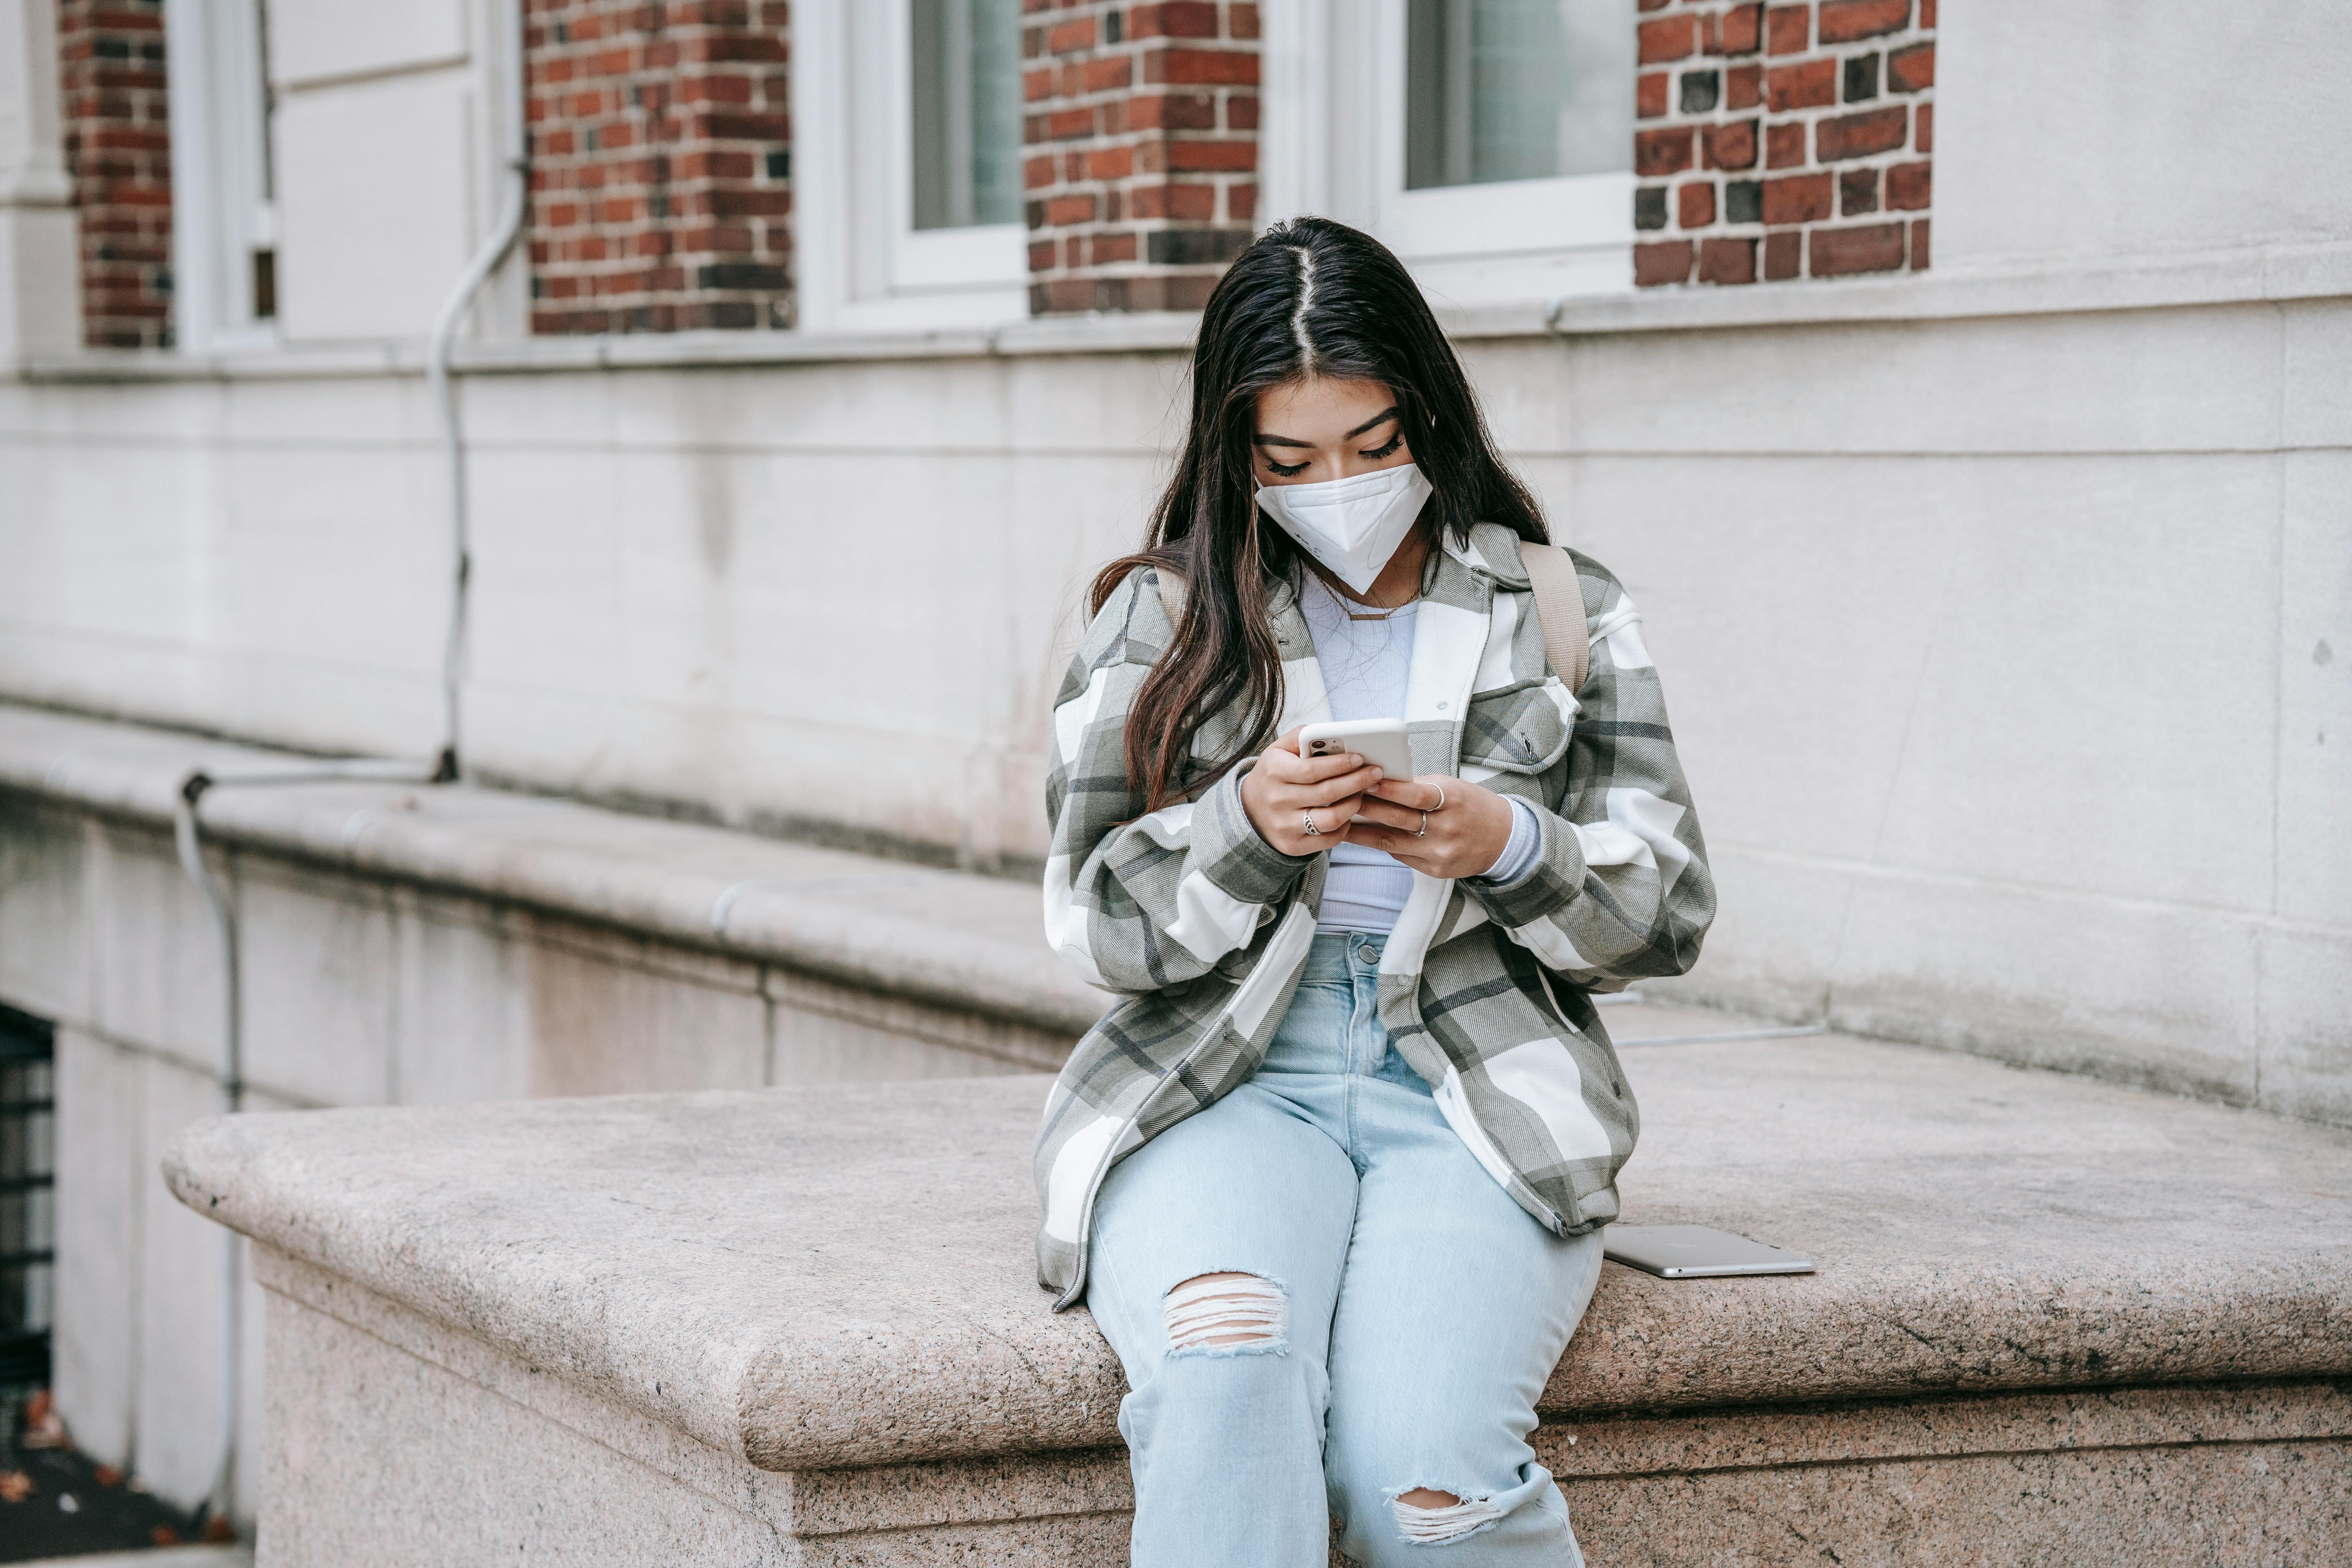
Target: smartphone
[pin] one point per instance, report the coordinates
(1380, 742)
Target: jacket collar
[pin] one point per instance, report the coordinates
(1493, 550)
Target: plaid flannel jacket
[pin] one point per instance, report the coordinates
(1202, 927)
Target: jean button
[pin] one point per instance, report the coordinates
(1368, 953)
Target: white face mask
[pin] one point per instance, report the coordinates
(1352, 525)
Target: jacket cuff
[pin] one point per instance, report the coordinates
(1229, 850)
(1556, 876)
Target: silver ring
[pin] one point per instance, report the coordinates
(1308, 818)
(1424, 827)
(1441, 799)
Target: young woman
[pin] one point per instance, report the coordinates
(1331, 1176)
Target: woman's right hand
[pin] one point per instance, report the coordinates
(1286, 790)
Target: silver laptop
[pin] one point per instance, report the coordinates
(1694, 1252)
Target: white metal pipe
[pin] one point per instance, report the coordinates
(186, 833)
(502, 239)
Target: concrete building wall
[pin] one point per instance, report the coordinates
(2001, 646)
(2088, 133)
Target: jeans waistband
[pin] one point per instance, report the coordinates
(1342, 956)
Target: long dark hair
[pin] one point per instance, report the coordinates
(1311, 298)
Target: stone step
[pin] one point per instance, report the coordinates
(2082, 1323)
(965, 943)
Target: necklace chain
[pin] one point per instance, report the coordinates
(1344, 602)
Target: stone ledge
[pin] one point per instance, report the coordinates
(840, 1279)
(2156, 1448)
(2243, 274)
(970, 943)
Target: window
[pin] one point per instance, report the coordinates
(225, 258)
(28, 1214)
(965, 67)
(1488, 143)
(906, 165)
(1514, 90)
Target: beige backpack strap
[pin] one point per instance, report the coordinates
(1172, 592)
(1559, 606)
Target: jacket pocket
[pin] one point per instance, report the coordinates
(1523, 728)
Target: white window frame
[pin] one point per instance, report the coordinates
(220, 208)
(1333, 144)
(861, 264)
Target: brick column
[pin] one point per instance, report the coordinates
(661, 164)
(116, 116)
(1780, 140)
(1141, 130)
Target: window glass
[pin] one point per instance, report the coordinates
(262, 276)
(967, 113)
(1517, 90)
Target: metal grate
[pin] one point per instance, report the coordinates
(27, 1198)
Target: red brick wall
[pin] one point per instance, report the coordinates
(1141, 169)
(118, 149)
(661, 164)
(1780, 140)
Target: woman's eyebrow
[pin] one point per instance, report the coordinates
(1376, 420)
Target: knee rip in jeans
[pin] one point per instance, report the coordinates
(1227, 1314)
(1428, 1517)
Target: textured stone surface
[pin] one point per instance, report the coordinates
(408, 1462)
(840, 1277)
(2219, 1505)
(1950, 1427)
(374, 1407)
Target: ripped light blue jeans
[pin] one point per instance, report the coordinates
(1394, 1317)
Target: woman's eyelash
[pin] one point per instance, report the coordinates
(1389, 450)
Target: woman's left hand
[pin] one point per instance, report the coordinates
(1463, 837)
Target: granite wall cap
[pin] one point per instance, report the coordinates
(970, 942)
(815, 1279)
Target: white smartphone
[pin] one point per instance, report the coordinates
(1380, 742)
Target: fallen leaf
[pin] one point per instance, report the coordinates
(217, 1529)
(107, 1476)
(163, 1535)
(45, 1431)
(15, 1486)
